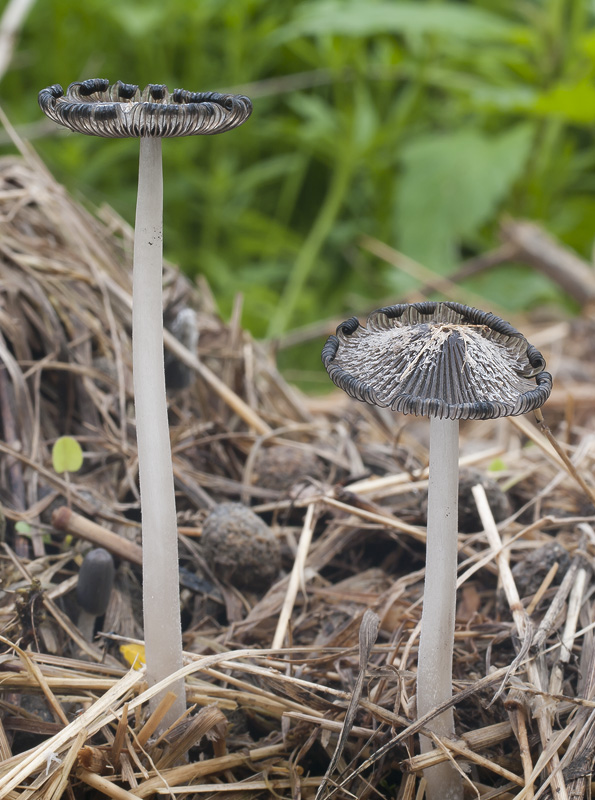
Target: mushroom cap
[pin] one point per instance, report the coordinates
(121, 110)
(96, 581)
(438, 360)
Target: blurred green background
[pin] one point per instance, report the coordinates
(417, 123)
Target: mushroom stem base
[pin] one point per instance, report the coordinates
(434, 671)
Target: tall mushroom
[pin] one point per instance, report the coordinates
(95, 108)
(448, 362)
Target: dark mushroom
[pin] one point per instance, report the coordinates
(184, 327)
(95, 108)
(94, 589)
(448, 362)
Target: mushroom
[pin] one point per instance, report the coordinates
(448, 362)
(94, 589)
(94, 107)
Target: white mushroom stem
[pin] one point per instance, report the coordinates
(86, 624)
(161, 601)
(434, 670)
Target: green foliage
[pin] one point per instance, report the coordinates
(23, 528)
(67, 455)
(360, 18)
(497, 465)
(574, 102)
(418, 123)
(451, 184)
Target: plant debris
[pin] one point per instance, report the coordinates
(303, 687)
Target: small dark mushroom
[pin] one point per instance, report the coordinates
(184, 327)
(94, 589)
(448, 362)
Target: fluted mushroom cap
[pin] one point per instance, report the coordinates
(438, 360)
(121, 110)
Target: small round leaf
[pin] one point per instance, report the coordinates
(22, 528)
(67, 455)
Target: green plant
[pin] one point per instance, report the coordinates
(417, 123)
(23, 528)
(67, 455)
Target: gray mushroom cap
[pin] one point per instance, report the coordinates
(96, 108)
(438, 360)
(96, 581)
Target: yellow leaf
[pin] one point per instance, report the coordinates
(134, 654)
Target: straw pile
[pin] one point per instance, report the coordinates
(303, 687)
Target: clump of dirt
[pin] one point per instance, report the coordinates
(240, 548)
(283, 467)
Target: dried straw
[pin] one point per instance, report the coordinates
(342, 488)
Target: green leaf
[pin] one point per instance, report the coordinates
(22, 528)
(319, 120)
(359, 18)
(139, 21)
(515, 286)
(507, 99)
(570, 102)
(67, 455)
(451, 184)
(497, 465)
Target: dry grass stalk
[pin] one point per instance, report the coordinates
(353, 481)
(296, 580)
(65, 519)
(522, 623)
